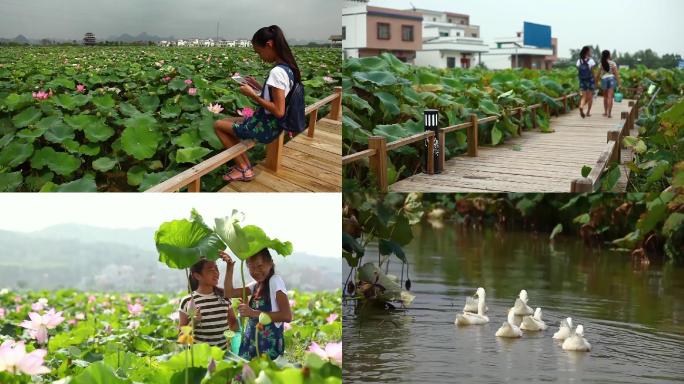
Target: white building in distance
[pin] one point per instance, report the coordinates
(449, 41)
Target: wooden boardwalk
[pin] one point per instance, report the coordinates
(534, 162)
(307, 165)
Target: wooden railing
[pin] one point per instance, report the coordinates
(191, 177)
(612, 151)
(378, 146)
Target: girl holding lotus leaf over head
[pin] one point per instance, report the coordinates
(192, 244)
(268, 306)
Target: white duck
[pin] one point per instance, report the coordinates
(520, 308)
(577, 342)
(471, 304)
(467, 318)
(565, 329)
(533, 323)
(509, 329)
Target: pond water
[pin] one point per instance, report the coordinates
(633, 315)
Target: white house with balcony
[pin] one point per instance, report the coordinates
(449, 41)
(512, 52)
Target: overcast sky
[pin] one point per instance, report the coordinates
(312, 222)
(71, 19)
(624, 25)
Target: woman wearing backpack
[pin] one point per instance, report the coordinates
(263, 126)
(585, 66)
(610, 80)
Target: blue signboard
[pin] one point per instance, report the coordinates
(537, 35)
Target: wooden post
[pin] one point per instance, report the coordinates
(625, 128)
(547, 109)
(313, 117)
(614, 135)
(533, 111)
(565, 104)
(378, 162)
(520, 121)
(336, 110)
(274, 153)
(582, 185)
(431, 155)
(194, 186)
(472, 136)
(442, 149)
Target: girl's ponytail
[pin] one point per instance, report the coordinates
(282, 48)
(605, 55)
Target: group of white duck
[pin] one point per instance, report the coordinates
(474, 314)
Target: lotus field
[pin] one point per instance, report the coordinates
(385, 97)
(75, 337)
(125, 119)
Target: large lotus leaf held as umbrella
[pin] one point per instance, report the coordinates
(246, 241)
(181, 243)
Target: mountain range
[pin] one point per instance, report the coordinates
(124, 260)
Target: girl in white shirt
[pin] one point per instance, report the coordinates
(271, 46)
(610, 80)
(267, 294)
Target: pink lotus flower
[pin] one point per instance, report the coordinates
(91, 299)
(40, 304)
(292, 303)
(328, 79)
(135, 309)
(135, 324)
(192, 91)
(41, 95)
(286, 326)
(14, 359)
(17, 299)
(188, 82)
(38, 325)
(246, 112)
(215, 108)
(331, 319)
(18, 308)
(2, 313)
(72, 322)
(332, 352)
(166, 79)
(80, 88)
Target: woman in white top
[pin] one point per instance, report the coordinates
(610, 80)
(268, 295)
(585, 66)
(264, 126)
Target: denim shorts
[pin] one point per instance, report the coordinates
(609, 83)
(586, 85)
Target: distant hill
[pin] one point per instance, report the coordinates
(142, 238)
(101, 259)
(126, 38)
(20, 39)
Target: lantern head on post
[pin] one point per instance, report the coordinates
(431, 119)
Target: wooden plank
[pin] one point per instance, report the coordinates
(315, 152)
(366, 153)
(312, 183)
(323, 175)
(292, 160)
(410, 140)
(184, 178)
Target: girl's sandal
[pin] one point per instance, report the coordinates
(244, 177)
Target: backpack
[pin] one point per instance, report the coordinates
(293, 121)
(584, 70)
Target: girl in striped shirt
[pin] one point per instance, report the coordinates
(213, 313)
